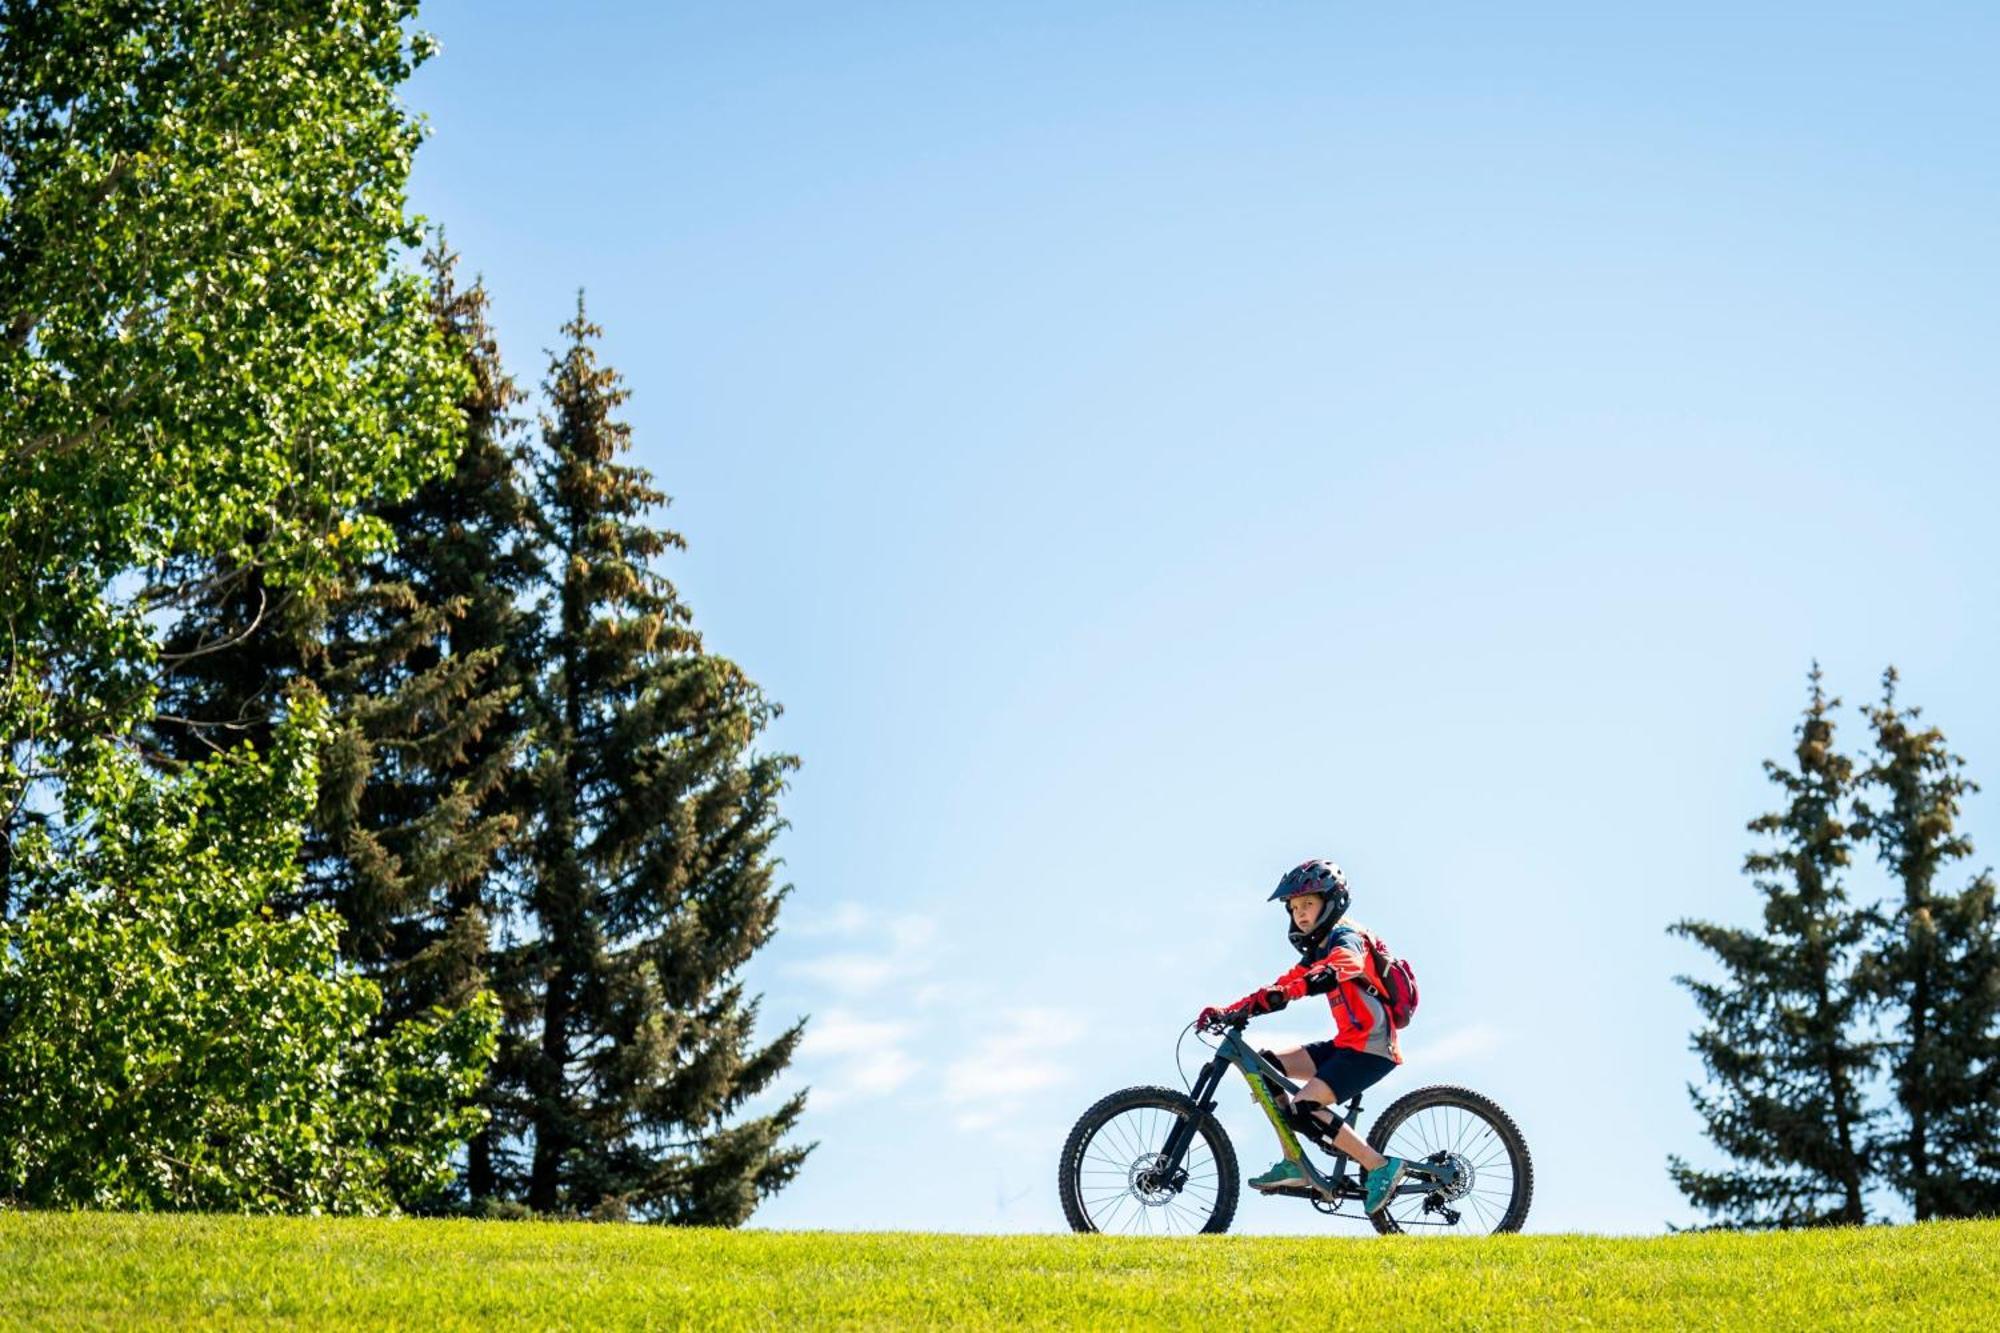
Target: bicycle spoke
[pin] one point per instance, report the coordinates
(1194, 1221)
(1129, 1133)
(1419, 1127)
(1115, 1210)
(1486, 1191)
(1112, 1183)
(1127, 1144)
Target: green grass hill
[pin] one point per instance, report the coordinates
(95, 1270)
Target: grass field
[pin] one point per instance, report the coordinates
(65, 1269)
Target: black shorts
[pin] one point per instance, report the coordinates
(1347, 1072)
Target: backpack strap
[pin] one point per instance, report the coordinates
(1368, 947)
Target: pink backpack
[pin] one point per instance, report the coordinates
(1399, 981)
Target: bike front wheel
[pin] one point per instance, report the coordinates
(1114, 1175)
(1492, 1180)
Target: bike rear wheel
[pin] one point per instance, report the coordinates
(1111, 1176)
(1496, 1178)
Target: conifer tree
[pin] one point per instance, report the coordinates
(1780, 1044)
(430, 826)
(1935, 966)
(418, 648)
(652, 876)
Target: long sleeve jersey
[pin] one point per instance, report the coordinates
(1340, 968)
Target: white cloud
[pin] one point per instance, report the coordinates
(846, 918)
(890, 949)
(848, 973)
(856, 1057)
(1013, 1059)
(851, 1055)
(887, 1071)
(840, 1032)
(883, 1072)
(984, 1118)
(912, 933)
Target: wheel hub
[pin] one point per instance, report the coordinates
(1150, 1183)
(1461, 1179)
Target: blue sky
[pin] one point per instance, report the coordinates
(1144, 446)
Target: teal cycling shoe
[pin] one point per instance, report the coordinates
(1283, 1178)
(1382, 1181)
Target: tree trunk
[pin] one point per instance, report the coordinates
(1852, 1210)
(562, 923)
(479, 1180)
(1915, 1098)
(549, 1134)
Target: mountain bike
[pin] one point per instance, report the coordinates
(1153, 1161)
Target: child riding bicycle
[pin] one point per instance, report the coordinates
(1334, 962)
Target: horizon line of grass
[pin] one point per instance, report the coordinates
(71, 1268)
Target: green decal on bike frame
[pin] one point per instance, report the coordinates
(1285, 1135)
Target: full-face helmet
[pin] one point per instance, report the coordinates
(1321, 877)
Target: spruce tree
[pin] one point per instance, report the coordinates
(418, 648)
(652, 877)
(1935, 967)
(1780, 1045)
(429, 823)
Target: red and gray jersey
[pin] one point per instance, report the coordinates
(1340, 969)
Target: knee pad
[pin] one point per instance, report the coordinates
(1306, 1106)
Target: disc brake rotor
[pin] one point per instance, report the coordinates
(1147, 1183)
(1461, 1180)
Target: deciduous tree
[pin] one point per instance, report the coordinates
(420, 650)
(206, 347)
(209, 360)
(167, 1041)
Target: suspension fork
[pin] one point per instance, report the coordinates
(1203, 1093)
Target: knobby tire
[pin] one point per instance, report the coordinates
(1482, 1106)
(1069, 1175)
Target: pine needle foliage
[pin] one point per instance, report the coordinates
(1781, 1038)
(1935, 969)
(652, 875)
(428, 821)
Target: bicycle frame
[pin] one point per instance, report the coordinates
(1424, 1177)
